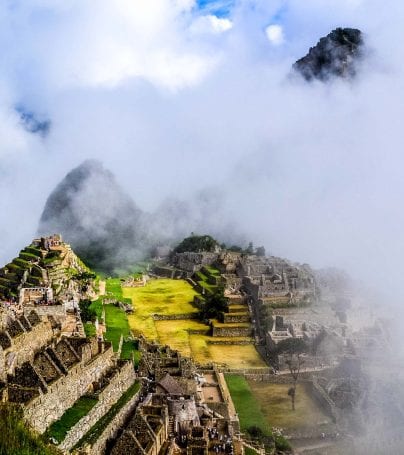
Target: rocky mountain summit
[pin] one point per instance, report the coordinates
(335, 55)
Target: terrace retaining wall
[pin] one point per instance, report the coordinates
(64, 392)
(112, 429)
(119, 383)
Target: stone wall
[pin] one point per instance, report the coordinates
(174, 317)
(62, 394)
(57, 311)
(229, 331)
(193, 262)
(112, 429)
(230, 342)
(119, 383)
(236, 317)
(164, 271)
(27, 343)
(324, 400)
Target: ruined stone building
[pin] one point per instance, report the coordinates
(181, 411)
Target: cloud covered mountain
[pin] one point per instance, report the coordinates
(109, 232)
(93, 213)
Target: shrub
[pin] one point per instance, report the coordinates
(87, 314)
(197, 244)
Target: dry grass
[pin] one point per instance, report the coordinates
(170, 297)
(175, 333)
(277, 409)
(237, 356)
(158, 297)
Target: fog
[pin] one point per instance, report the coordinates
(174, 103)
(178, 100)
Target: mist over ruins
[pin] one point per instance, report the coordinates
(201, 228)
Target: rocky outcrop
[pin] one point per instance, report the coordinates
(335, 55)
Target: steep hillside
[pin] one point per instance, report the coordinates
(46, 263)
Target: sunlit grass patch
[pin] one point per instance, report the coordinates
(236, 356)
(161, 296)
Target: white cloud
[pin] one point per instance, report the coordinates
(274, 34)
(210, 24)
(220, 25)
(110, 44)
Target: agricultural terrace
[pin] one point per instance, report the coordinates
(116, 320)
(189, 336)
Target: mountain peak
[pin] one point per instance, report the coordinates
(335, 55)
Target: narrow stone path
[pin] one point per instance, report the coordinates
(102, 287)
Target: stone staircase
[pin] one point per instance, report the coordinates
(236, 322)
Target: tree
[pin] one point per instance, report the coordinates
(250, 248)
(293, 348)
(197, 244)
(86, 312)
(260, 251)
(215, 304)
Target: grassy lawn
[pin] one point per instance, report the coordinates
(60, 428)
(247, 406)
(161, 296)
(250, 409)
(236, 356)
(277, 409)
(116, 319)
(89, 329)
(96, 430)
(176, 333)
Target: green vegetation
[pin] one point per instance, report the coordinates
(116, 319)
(16, 438)
(250, 411)
(61, 427)
(248, 451)
(197, 243)
(275, 406)
(96, 430)
(87, 313)
(247, 406)
(33, 250)
(215, 305)
(89, 329)
(130, 349)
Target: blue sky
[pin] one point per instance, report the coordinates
(220, 8)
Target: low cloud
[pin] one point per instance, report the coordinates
(275, 34)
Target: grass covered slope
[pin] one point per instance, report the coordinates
(16, 438)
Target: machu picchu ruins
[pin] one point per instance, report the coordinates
(150, 363)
